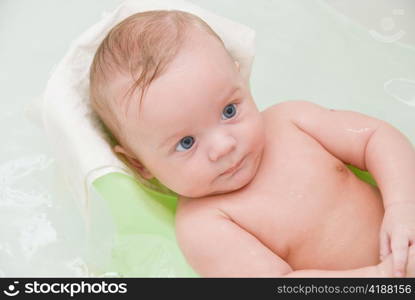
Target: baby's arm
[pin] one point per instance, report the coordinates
(215, 246)
(372, 145)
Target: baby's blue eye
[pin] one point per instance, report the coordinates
(229, 111)
(186, 143)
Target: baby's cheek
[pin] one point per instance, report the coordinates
(189, 189)
(187, 183)
(254, 131)
(195, 182)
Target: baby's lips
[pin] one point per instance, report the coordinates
(230, 170)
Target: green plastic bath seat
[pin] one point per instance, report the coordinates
(141, 241)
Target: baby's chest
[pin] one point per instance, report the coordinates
(297, 186)
(296, 167)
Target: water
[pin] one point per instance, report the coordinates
(325, 59)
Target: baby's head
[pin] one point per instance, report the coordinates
(174, 99)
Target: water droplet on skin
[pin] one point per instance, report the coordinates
(359, 130)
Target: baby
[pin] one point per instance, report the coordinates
(261, 194)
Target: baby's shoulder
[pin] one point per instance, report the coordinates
(282, 116)
(284, 111)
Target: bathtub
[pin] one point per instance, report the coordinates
(42, 232)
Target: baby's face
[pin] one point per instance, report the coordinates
(197, 121)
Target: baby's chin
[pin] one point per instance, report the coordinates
(227, 183)
(235, 186)
(205, 194)
(224, 186)
(197, 192)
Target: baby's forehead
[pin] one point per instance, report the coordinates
(199, 72)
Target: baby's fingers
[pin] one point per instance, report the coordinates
(399, 254)
(384, 246)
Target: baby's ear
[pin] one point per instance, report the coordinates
(134, 162)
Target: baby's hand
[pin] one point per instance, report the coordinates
(397, 234)
(385, 268)
(410, 268)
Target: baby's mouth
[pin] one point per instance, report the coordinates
(235, 167)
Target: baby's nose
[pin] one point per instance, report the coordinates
(221, 147)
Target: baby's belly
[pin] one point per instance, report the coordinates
(327, 219)
(344, 236)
